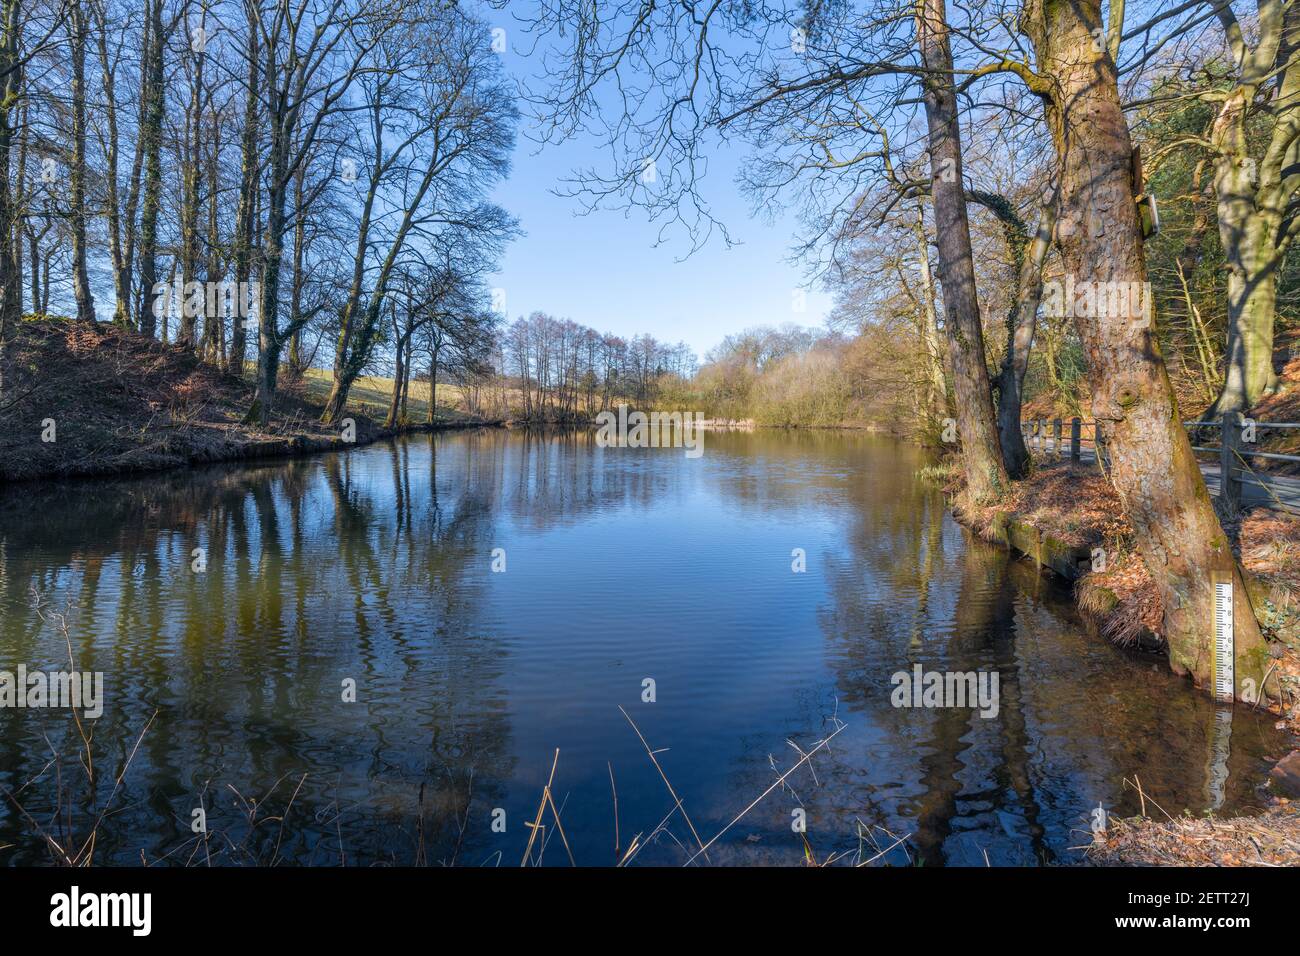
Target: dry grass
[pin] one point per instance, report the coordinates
(370, 394)
(1073, 503)
(1270, 839)
(1076, 505)
(873, 843)
(941, 473)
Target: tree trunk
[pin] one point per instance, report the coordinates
(296, 320)
(1256, 206)
(151, 135)
(120, 221)
(986, 477)
(190, 199)
(10, 279)
(406, 381)
(21, 197)
(77, 172)
(395, 401)
(937, 386)
(433, 386)
(268, 327)
(1252, 304)
(1249, 235)
(1021, 323)
(1153, 469)
(244, 215)
(214, 322)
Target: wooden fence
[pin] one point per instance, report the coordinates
(1232, 451)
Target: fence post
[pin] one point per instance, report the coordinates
(1076, 435)
(1039, 429)
(1229, 442)
(1056, 438)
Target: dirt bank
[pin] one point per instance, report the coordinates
(79, 401)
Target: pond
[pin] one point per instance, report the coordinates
(373, 657)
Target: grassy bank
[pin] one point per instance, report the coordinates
(370, 395)
(81, 401)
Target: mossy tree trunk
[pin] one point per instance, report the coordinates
(1153, 468)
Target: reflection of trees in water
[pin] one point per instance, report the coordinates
(946, 604)
(318, 569)
(982, 639)
(1076, 716)
(374, 565)
(881, 605)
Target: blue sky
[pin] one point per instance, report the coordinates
(604, 270)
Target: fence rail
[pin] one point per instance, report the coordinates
(1236, 434)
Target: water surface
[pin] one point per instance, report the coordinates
(621, 565)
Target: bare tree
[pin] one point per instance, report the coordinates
(986, 475)
(311, 55)
(440, 128)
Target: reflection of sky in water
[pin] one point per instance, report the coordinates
(623, 564)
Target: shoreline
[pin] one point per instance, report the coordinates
(1123, 619)
(109, 403)
(252, 445)
(298, 445)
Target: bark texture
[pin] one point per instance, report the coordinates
(1255, 210)
(1153, 469)
(1028, 255)
(986, 477)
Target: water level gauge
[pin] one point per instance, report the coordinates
(1224, 683)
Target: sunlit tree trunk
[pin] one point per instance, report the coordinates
(269, 344)
(1256, 209)
(120, 221)
(433, 385)
(1153, 469)
(190, 195)
(214, 324)
(244, 215)
(1250, 236)
(936, 383)
(1029, 256)
(399, 375)
(10, 277)
(986, 477)
(296, 319)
